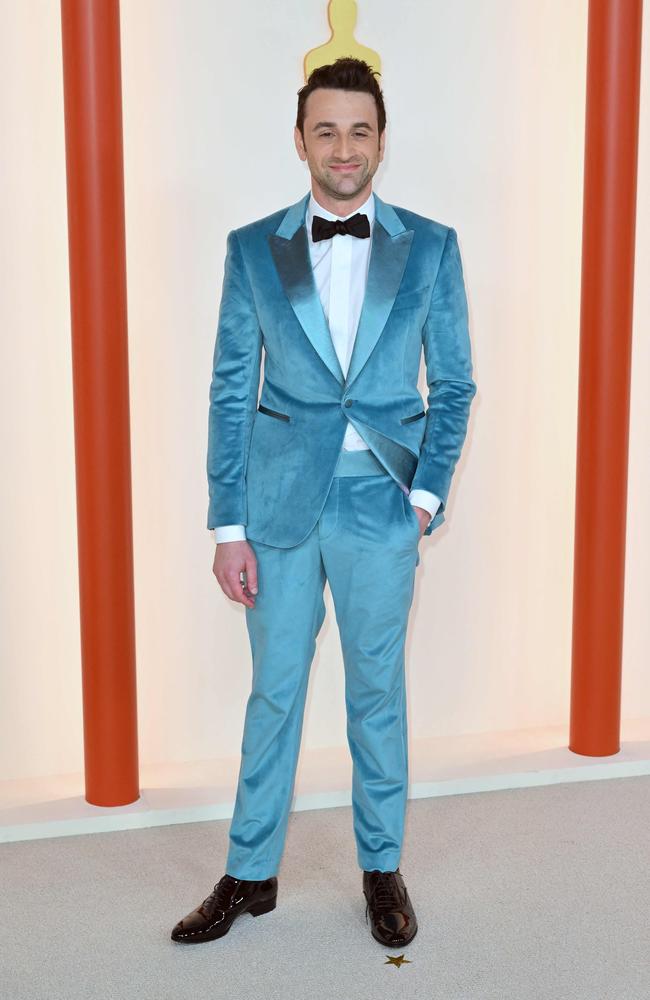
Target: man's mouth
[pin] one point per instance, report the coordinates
(346, 168)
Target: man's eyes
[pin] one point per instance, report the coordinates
(361, 135)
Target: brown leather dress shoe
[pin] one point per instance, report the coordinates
(230, 897)
(392, 917)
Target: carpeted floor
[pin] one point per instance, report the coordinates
(529, 893)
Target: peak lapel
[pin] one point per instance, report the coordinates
(391, 244)
(290, 248)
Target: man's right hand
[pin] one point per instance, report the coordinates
(230, 559)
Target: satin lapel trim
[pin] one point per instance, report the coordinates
(388, 256)
(391, 244)
(293, 263)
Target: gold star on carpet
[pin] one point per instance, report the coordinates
(397, 960)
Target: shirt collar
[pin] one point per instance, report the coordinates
(313, 208)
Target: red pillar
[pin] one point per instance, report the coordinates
(609, 211)
(95, 187)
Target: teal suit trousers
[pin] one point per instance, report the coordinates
(365, 544)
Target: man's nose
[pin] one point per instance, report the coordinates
(343, 148)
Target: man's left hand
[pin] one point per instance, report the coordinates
(423, 517)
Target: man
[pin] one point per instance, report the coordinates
(334, 475)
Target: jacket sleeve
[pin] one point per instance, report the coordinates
(233, 392)
(447, 356)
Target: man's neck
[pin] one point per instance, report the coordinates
(339, 206)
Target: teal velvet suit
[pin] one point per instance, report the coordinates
(270, 468)
(316, 513)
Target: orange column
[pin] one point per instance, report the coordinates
(609, 210)
(95, 187)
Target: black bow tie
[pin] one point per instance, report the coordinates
(324, 229)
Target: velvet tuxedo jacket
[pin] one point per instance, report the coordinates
(270, 462)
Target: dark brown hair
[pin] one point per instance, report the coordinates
(345, 73)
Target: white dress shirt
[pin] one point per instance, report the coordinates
(340, 267)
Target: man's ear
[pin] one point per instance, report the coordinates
(300, 146)
(382, 144)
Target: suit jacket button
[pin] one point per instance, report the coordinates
(348, 402)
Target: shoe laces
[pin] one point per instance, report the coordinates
(386, 893)
(222, 893)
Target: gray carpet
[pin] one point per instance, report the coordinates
(531, 893)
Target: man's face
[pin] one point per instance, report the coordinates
(342, 146)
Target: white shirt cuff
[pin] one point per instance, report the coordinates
(229, 533)
(424, 498)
